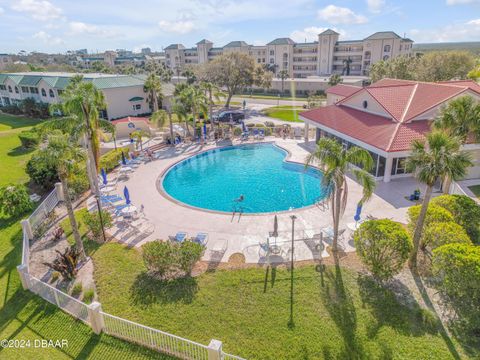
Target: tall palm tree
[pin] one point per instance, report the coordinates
(432, 160)
(335, 162)
(153, 87)
(159, 118)
(194, 100)
(181, 109)
(212, 92)
(460, 118)
(283, 75)
(63, 155)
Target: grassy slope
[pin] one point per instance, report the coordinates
(348, 317)
(286, 113)
(24, 316)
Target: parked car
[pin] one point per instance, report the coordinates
(227, 116)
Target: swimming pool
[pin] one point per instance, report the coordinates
(215, 179)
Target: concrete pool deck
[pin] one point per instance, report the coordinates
(242, 233)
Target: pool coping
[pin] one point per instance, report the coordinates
(162, 192)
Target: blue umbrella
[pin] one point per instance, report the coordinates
(204, 131)
(124, 161)
(358, 212)
(104, 176)
(127, 195)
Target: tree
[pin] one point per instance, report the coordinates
(160, 117)
(63, 154)
(14, 200)
(234, 71)
(431, 160)
(460, 118)
(211, 92)
(66, 263)
(346, 66)
(441, 233)
(161, 70)
(444, 65)
(194, 101)
(283, 75)
(139, 135)
(399, 67)
(189, 253)
(335, 79)
(458, 268)
(384, 246)
(474, 74)
(190, 75)
(153, 87)
(181, 109)
(335, 161)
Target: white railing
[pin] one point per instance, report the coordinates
(99, 320)
(153, 338)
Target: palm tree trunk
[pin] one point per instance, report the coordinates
(336, 218)
(71, 217)
(171, 127)
(229, 97)
(89, 169)
(419, 228)
(210, 109)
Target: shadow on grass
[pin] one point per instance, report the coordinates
(147, 290)
(19, 151)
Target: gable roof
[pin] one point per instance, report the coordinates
(236, 44)
(204, 41)
(282, 41)
(175, 47)
(343, 90)
(383, 35)
(329, 32)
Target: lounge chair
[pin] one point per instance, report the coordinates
(201, 238)
(255, 133)
(179, 237)
(261, 134)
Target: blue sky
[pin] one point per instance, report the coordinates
(60, 25)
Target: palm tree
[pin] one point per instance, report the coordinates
(81, 102)
(432, 160)
(139, 135)
(460, 118)
(346, 66)
(193, 99)
(63, 155)
(335, 162)
(153, 87)
(212, 91)
(181, 109)
(159, 118)
(283, 75)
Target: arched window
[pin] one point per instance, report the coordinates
(51, 93)
(44, 93)
(386, 48)
(16, 90)
(9, 88)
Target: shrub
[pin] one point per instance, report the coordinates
(269, 124)
(441, 233)
(92, 220)
(42, 172)
(458, 269)
(14, 200)
(55, 276)
(111, 159)
(88, 296)
(189, 253)
(434, 214)
(384, 247)
(29, 138)
(237, 131)
(78, 182)
(77, 289)
(159, 256)
(465, 211)
(66, 263)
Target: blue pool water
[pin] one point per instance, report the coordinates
(214, 179)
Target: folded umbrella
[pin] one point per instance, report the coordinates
(127, 195)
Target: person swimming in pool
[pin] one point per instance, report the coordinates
(240, 198)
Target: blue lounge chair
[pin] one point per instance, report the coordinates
(261, 134)
(110, 198)
(201, 238)
(255, 133)
(179, 237)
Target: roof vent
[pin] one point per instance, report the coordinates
(365, 104)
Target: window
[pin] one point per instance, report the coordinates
(386, 48)
(386, 57)
(272, 61)
(34, 90)
(25, 89)
(9, 88)
(16, 89)
(272, 52)
(399, 166)
(44, 93)
(50, 92)
(3, 87)
(137, 107)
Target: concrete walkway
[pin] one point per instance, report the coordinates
(235, 233)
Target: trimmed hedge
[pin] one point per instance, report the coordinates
(111, 159)
(435, 214)
(441, 233)
(29, 138)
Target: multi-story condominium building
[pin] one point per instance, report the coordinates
(124, 94)
(326, 56)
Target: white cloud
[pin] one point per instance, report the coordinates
(81, 28)
(42, 10)
(375, 6)
(474, 22)
(340, 15)
(47, 38)
(177, 27)
(461, 2)
(310, 33)
(468, 31)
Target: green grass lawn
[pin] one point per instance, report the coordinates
(285, 113)
(348, 317)
(271, 97)
(476, 190)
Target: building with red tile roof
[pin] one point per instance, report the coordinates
(386, 117)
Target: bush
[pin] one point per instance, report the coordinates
(92, 220)
(77, 289)
(465, 212)
(55, 276)
(384, 247)
(42, 172)
(78, 182)
(29, 138)
(189, 253)
(434, 214)
(159, 256)
(111, 159)
(441, 233)
(237, 131)
(88, 296)
(14, 200)
(269, 124)
(458, 269)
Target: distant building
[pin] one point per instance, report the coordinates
(146, 51)
(5, 60)
(326, 56)
(124, 94)
(110, 58)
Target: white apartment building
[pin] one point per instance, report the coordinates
(326, 56)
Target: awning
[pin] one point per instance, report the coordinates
(136, 98)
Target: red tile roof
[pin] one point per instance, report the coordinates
(130, 119)
(343, 90)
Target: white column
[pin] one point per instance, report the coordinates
(388, 169)
(59, 190)
(307, 129)
(27, 228)
(23, 272)
(95, 317)
(215, 350)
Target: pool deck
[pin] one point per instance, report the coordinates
(243, 233)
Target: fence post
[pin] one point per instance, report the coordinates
(215, 350)
(95, 317)
(27, 228)
(59, 191)
(23, 272)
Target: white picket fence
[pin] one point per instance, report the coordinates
(92, 314)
